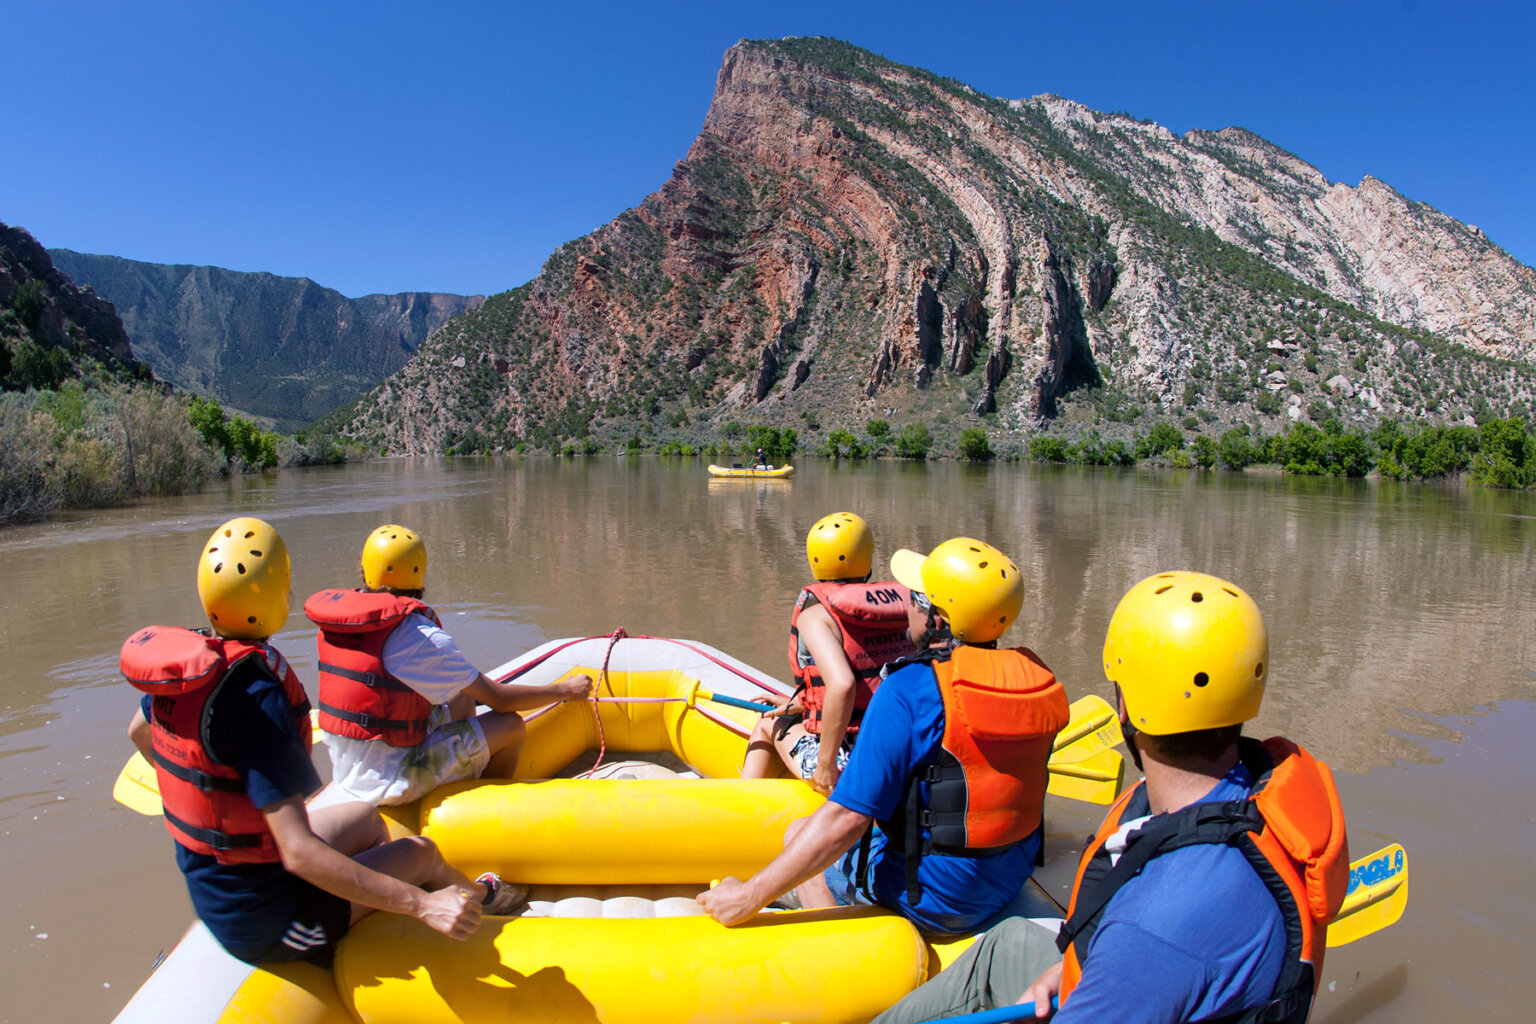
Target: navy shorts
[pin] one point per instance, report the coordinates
(319, 921)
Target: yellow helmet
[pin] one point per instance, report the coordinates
(1189, 652)
(840, 547)
(243, 579)
(395, 557)
(975, 587)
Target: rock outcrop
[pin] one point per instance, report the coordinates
(51, 328)
(850, 238)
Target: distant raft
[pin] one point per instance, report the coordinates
(772, 472)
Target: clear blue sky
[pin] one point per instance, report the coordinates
(381, 147)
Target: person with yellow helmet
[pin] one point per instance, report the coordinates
(1206, 893)
(225, 721)
(397, 697)
(950, 764)
(843, 631)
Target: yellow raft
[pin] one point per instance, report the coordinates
(625, 855)
(772, 472)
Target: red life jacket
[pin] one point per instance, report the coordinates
(1291, 828)
(986, 784)
(358, 698)
(872, 620)
(206, 806)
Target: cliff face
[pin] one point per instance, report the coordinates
(277, 347)
(848, 238)
(50, 329)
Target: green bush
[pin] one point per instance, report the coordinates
(974, 446)
(877, 429)
(1507, 455)
(1046, 448)
(914, 441)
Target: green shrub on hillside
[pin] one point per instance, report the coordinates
(914, 441)
(974, 446)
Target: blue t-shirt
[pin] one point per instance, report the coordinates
(901, 731)
(251, 726)
(1196, 934)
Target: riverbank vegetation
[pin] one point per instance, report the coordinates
(82, 445)
(1495, 453)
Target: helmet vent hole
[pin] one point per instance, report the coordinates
(251, 619)
(255, 553)
(983, 565)
(240, 568)
(1201, 678)
(1258, 671)
(1230, 591)
(1163, 590)
(218, 568)
(1197, 597)
(842, 558)
(249, 534)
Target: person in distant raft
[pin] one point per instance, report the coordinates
(1207, 892)
(397, 697)
(225, 722)
(951, 763)
(843, 631)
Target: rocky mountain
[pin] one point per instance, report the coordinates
(50, 329)
(280, 348)
(850, 238)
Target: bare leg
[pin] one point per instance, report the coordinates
(504, 734)
(349, 828)
(415, 860)
(814, 891)
(761, 753)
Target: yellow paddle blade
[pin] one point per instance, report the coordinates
(1378, 892)
(1094, 726)
(1095, 780)
(137, 788)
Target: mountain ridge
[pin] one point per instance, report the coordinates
(849, 238)
(285, 349)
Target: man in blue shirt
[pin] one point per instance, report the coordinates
(958, 831)
(1177, 914)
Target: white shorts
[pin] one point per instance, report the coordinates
(374, 771)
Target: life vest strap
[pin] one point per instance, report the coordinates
(371, 680)
(202, 780)
(372, 723)
(212, 838)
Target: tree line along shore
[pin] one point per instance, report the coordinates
(79, 445)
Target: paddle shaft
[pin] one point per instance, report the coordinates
(1018, 1011)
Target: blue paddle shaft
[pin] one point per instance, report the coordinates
(1019, 1011)
(737, 702)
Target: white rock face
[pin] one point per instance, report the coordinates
(1340, 385)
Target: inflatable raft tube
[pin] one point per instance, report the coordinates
(835, 967)
(602, 831)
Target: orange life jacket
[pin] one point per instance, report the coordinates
(1291, 828)
(206, 806)
(358, 698)
(872, 620)
(986, 785)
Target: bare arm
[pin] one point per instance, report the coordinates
(452, 910)
(139, 734)
(825, 644)
(511, 697)
(827, 834)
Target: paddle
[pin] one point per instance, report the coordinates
(1378, 892)
(1094, 726)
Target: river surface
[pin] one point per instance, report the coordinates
(1400, 617)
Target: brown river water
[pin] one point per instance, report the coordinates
(1400, 619)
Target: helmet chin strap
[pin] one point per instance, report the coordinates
(1128, 730)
